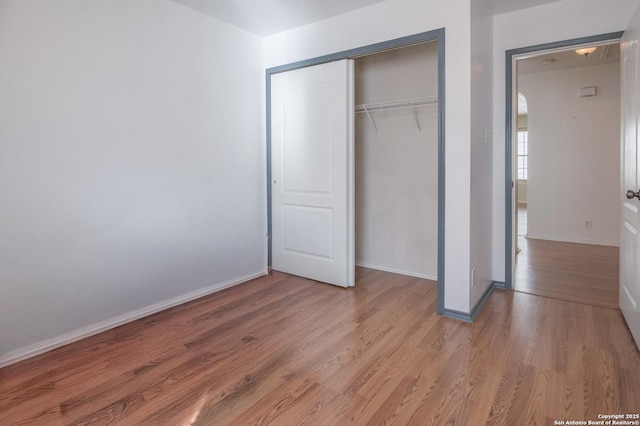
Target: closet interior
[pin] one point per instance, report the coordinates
(396, 160)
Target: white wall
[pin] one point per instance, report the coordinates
(558, 21)
(397, 169)
(481, 149)
(574, 154)
(397, 18)
(132, 167)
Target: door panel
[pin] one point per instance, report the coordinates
(307, 158)
(312, 172)
(629, 284)
(318, 244)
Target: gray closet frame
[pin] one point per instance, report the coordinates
(435, 35)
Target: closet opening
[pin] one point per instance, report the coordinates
(396, 161)
(395, 171)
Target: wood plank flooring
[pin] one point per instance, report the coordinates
(282, 350)
(580, 273)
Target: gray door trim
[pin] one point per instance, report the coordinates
(435, 35)
(509, 180)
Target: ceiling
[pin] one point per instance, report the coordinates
(499, 7)
(266, 17)
(555, 61)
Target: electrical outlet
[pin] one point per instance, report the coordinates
(473, 277)
(587, 224)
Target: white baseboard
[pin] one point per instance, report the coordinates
(396, 271)
(572, 240)
(90, 330)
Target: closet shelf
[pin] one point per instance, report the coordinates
(404, 103)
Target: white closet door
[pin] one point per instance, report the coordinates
(312, 169)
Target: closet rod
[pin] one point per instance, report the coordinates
(404, 103)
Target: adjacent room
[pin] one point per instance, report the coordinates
(568, 167)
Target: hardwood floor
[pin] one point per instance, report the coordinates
(283, 350)
(574, 272)
(580, 273)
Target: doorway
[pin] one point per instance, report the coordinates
(563, 170)
(436, 36)
(396, 170)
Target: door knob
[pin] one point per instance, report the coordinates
(631, 194)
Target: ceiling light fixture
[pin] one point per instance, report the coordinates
(585, 51)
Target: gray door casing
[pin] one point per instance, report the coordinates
(435, 35)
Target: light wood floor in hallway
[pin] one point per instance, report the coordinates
(282, 350)
(574, 272)
(580, 273)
